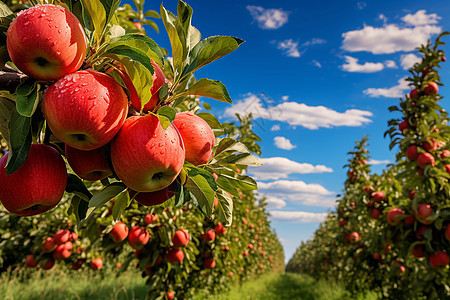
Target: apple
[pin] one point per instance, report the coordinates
(391, 216)
(63, 251)
(409, 220)
(73, 236)
(377, 256)
(403, 126)
(170, 295)
(153, 198)
(138, 237)
(197, 135)
(62, 236)
(219, 229)
(158, 81)
(425, 159)
(37, 186)
(413, 94)
(146, 157)
(85, 109)
(49, 245)
(430, 144)
(412, 194)
(439, 259)
(150, 218)
(77, 265)
(386, 249)
(423, 212)
(250, 246)
(209, 235)
(88, 165)
(378, 196)
(375, 213)
(368, 189)
(411, 152)
(96, 264)
(46, 42)
(431, 88)
(119, 232)
(342, 222)
(47, 264)
(30, 261)
(445, 154)
(353, 237)
(175, 255)
(180, 238)
(209, 263)
(417, 251)
(421, 231)
(245, 253)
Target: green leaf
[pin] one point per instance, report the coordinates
(209, 88)
(143, 43)
(224, 209)
(169, 20)
(183, 25)
(211, 120)
(225, 184)
(4, 56)
(27, 97)
(193, 171)
(151, 14)
(132, 53)
(7, 108)
(202, 194)
(106, 194)
(79, 208)
(4, 10)
(224, 144)
(163, 91)
(166, 116)
(246, 159)
(110, 7)
(75, 185)
(121, 202)
(20, 139)
(97, 14)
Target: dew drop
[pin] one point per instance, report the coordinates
(160, 144)
(58, 53)
(26, 23)
(92, 97)
(161, 152)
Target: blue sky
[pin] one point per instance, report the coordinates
(318, 75)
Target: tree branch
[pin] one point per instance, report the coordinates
(10, 79)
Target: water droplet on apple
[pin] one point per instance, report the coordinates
(162, 152)
(84, 84)
(37, 35)
(59, 30)
(54, 43)
(23, 40)
(26, 23)
(161, 144)
(58, 53)
(77, 89)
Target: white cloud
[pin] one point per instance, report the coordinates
(268, 18)
(420, 18)
(378, 162)
(408, 60)
(392, 92)
(298, 216)
(317, 64)
(285, 98)
(293, 113)
(275, 128)
(283, 143)
(275, 203)
(388, 39)
(290, 48)
(390, 64)
(352, 65)
(314, 41)
(274, 168)
(383, 18)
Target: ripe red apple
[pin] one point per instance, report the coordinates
(411, 152)
(439, 259)
(47, 264)
(30, 261)
(220, 229)
(409, 220)
(77, 265)
(447, 232)
(421, 231)
(209, 263)
(378, 196)
(417, 251)
(96, 264)
(429, 144)
(431, 88)
(146, 157)
(403, 126)
(181, 238)
(425, 159)
(412, 194)
(368, 189)
(63, 251)
(445, 153)
(158, 81)
(413, 94)
(170, 295)
(175, 255)
(209, 235)
(250, 246)
(198, 137)
(353, 237)
(153, 198)
(88, 165)
(150, 218)
(377, 256)
(37, 186)
(423, 212)
(342, 222)
(119, 232)
(85, 109)
(73, 236)
(375, 213)
(46, 42)
(49, 245)
(62, 236)
(391, 219)
(138, 237)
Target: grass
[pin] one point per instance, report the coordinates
(56, 285)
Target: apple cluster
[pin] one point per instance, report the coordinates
(90, 113)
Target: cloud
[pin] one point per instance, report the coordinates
(408, 60)
(420, 18)
(351, 65)
(390, 64)
(378, 162)
(298, 216)
(361, 5)
(290, 48)
(285, 98)
(268, 18)
(274, 168)
(293, 113)
(275, 203)
(392, 92)
(275, 128)
(317, 64)
(283, 143)
(314, 41)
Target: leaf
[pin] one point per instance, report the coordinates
(193, 171)
(225, 184)
(27, 98)
(183, 25)
(163, 91)
(7, 107)
(110, 7)
(121, 202)
(169, 19)
(4, 10)
(97, 14)
(224, 144)
(166, 115)
(4, 56)
(144, 43)
(209, 88)
(212, 121)
(106, 194)
(224, 209)
(20, 139)
(76, 186)
(79, 208)
(246, 159)
(132, 53)
(202, 194)
(151, 14)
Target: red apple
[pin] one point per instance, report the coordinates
(138, 237)
(391, 216)
(377, 256)
(181, 238)
(198, 137)
(368, 189)
(47, 264)
(150, 218)
(425, 159)
(409, 220)
(62, 236)
(353, 237)
(412, 194)
(175, 255)
(88, 165)
(421, 231)
(63, 251)
(77, 265)
(85, 109)
(445, 153)
(429, 144)
(96, 264)
(431, 88)
(153, 198)
(209, 235)
(170, 295)
(413, 94)
(146, 157)
(411, 152)
(403, 126)
(30, 261)
(417, 251)
(119, 232)
(49, 245)
(439, 259)
(375, 213)
(220, 229)
(37, 186)
(209, 263)
(73, 236)
(447, 232)
(46, 42)
(342, 222)
(423, 212)
(378, 196)
(158, 81)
